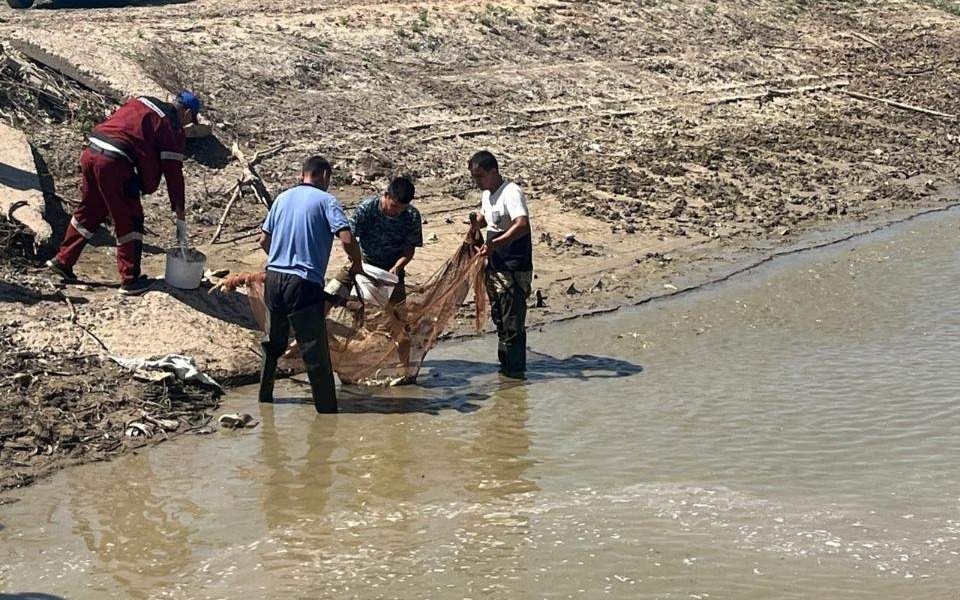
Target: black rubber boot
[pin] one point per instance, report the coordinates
(268, 373)
(323, 390)
(309, 327)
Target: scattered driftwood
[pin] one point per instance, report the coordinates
(237, 192)
(537, 124)
(902, 106)
(249, 179)
(792, 48)
(250, 176)
(628, 112)
(63, 408)
(33, 93)
(428, 125)
(777, 93)
(868, 40)
(67, 68)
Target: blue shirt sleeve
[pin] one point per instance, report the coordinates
(270, 222)
(336, 217)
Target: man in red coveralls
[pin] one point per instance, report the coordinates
(126, 156)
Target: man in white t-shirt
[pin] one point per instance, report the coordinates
(509, 251)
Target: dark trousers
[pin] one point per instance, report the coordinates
(294, 302)
(508, 293)
(108, 187)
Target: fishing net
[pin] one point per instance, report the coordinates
(373, 345)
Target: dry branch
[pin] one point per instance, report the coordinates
(902, 106)
(868, 40)
(249, 179)
(419, 126)
(628, 112)
(237, 193)
(250, 176)
(777, 93)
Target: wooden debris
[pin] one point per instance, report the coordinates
(778, 93)
(237, 193)
(868, 40)
(249, 179)
(96, 67)
(250, 176)
(903, 106)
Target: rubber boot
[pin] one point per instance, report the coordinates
(322, 388)
(268, 373)
(309, 328)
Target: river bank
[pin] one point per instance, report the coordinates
(787, 430)
(48, 389)
(661, 145)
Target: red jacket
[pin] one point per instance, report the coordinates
(148, 131)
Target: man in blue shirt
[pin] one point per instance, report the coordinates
(298, 237)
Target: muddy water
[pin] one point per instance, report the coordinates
(794, 433)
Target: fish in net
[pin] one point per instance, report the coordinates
(373, 345)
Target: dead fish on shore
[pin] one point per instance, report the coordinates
(237, 421)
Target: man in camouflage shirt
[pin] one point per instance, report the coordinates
(389, 229)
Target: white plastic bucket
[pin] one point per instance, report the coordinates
(378, 295)
(185, 274)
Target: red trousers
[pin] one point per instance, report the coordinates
(109, 187)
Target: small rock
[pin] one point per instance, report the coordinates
(23, 379)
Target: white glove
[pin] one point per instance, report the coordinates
(181, 232)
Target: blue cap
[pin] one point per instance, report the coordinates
(188, 99)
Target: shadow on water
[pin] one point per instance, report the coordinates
(357, 400)
(540, 367)
(30, 596)
(442, 387)
(360, 400)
